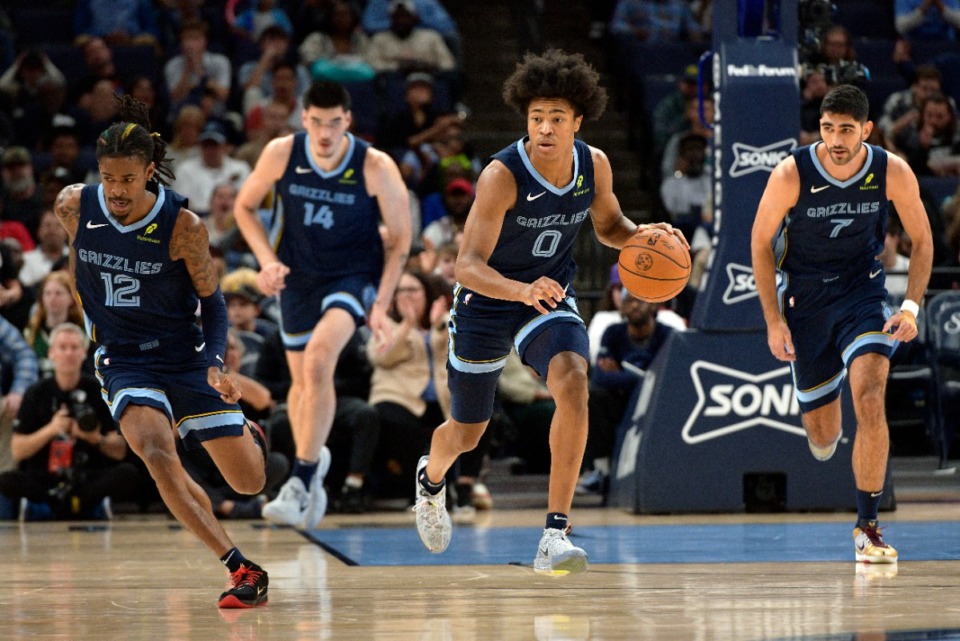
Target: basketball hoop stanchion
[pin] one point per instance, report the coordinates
(715, 426)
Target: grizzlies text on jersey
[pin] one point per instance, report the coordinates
(538, 234)
(324, 222)
(836, 226)
(131, 292)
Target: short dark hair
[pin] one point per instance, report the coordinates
(556, 74)
(847, 100)
(326, 94)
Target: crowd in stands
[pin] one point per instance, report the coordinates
(221, 79)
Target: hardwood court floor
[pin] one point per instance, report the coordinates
(144, 578)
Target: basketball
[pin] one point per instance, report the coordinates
(654, 266)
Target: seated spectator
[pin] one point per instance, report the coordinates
(902, 108)
(626, 351)
(445, 158)
(243, 298)
(197, 177)
(95, 109)
(377, 14)
(933, 135)
(416, 122)
(196, 69)
(145, 89)
(56, 304)
(928, 20)
(274, 44)
(686, 190)
(407, 46)
(21, 83)
(21, 197)
(282, 91)
(836, 46)
(69, 451)
(19, 364)
(15, 299)
(670, 153)
(98, 65)
(455, 203)
(655, 20)
(118, 22)
(51, 250)
(446, 262)
(670, 114)
(221, 227)
(409, 384)
(52, 182)
(340, 42)
(65, 153)
(187, 126)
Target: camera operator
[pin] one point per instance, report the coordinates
(69, 451)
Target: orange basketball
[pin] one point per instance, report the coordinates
(654, 266)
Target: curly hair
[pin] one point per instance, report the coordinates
(131, 136)
(556, 74)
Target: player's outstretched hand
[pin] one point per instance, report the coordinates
(668, 228)
(543, 294)
(271, 278)
(224, 383)
(905, 324)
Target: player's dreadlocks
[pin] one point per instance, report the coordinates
(131, 136)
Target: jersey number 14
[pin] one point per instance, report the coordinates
(322, 216)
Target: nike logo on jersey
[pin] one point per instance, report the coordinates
(814, 190)
(876, 494)
(303, 170)
(531, 197)
(875, 274)
(199, 347)
(90, 225)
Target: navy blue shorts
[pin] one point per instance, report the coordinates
(305, 300)
(174, 383)
(482, 333)
(832, 322)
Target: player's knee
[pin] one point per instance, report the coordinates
(251, 481)
(569, 386)
(467, 436)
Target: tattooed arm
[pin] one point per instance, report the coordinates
(67, 209)
(190, 243)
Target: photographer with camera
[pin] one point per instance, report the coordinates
(67, 446)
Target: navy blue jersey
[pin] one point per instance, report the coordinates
(324, 222)
(539, 232)
(130, 290)
(836, 226)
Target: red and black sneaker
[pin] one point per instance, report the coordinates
(249, 588)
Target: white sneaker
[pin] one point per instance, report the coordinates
(557, 556)
(433, 521)
(289, 506)
(317, 498)
(824, 453)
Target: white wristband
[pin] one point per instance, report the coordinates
(910, 306)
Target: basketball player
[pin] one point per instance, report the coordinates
(142, 264)
(823, 295)
(515, 273)
(324, 257)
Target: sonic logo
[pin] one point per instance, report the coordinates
(748, 159)
(730, 401)
(742, 285)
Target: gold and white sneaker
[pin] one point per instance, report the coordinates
(870, 547)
